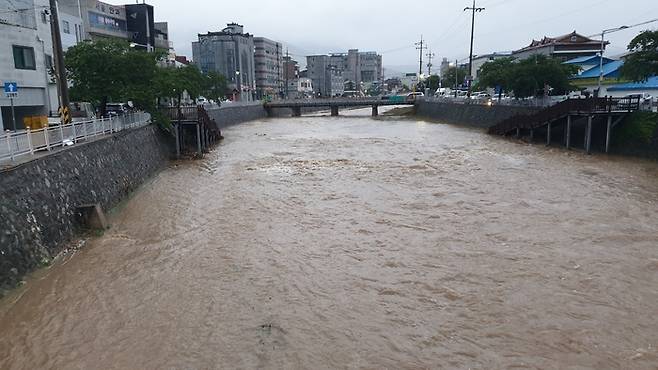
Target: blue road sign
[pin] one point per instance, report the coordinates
(11, 87)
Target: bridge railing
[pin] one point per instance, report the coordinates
(17, 144)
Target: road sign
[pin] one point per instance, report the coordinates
(11, 88)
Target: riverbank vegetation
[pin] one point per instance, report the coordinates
(638, 135)
(106, 71)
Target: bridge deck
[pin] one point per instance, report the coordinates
(334, 103)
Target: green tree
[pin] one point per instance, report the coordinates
(449, 78)
(174, 82)
(107, 70)
(642, 63)
(497, 73)
(433, 82)
(530, 76)
(215, 86)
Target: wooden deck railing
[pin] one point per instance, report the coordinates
(562, 109)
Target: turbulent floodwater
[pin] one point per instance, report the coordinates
(349, 242)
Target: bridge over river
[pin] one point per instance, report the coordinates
(334, 104)
(358, 243)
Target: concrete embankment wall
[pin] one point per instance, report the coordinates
(232, 115)
(475, 115)
(40, 197)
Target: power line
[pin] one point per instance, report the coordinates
(629, 27)
(23, 9)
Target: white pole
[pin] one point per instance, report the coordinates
(11, 152)
(601, 64)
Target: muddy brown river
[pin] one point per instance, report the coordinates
(354, 243)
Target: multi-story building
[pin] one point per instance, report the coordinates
(299, 88)
(480, 60)
(229, 52)
(290, 68)
(362, 69)
(566, 47)
(268, 61)
(133, 22)
(327, 77)
(71, 25)
(445, 67)
(26, 58)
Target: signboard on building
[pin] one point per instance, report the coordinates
(115, 11)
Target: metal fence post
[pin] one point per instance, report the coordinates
(29, 141)
(61, 132)
(11, 152)
(45, 136)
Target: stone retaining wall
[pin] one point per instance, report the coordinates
(468, 114)
(40, 197)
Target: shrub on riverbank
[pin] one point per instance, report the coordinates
(638, 135)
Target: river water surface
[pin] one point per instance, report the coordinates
(323, 242)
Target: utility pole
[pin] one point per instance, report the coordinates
(286, 70)
(62, 82)
(420, 46)
(456, 76)
(470, 58)
(430, 56)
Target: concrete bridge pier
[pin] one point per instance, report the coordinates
(334, 110)
(296, 111)
(375, 110)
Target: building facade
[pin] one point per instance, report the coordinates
(268, 62)
(481, 60)
(361, 69)
(26, 59)
(565, 47)
(230, 53)
(300, 88)
(326, 76)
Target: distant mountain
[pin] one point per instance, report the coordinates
(399, 70)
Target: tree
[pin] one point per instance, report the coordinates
(449, 78)
(107, 70)
(529, 77)
(215, 86)
(497, 74)
(433, 82)
(643, 62)
(173, 82)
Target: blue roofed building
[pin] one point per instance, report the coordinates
(588, 62)
(610, 70)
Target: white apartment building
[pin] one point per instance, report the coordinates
(26, 58)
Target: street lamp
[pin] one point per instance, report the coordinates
(603, 33)
(147, 47)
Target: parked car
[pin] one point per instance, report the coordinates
(644, 97)
(411, 97)
(116, 109)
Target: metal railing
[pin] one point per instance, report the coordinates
(21, 143)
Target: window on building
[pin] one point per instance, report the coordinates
(24, 58)
(66, 27)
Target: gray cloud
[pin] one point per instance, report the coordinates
(393, 26)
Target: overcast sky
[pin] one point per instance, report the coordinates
(391, 27)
